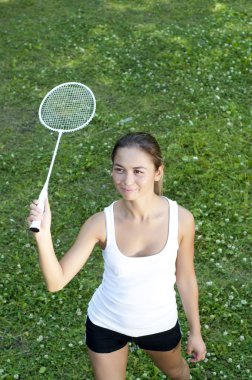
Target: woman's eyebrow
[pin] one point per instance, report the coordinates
(135, 167)
(115, 164)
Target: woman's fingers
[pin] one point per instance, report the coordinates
(196, 348)
(43, 216)
(35, 212)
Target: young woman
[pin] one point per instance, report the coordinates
(148, 246)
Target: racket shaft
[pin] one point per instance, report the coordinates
(53, 158)
(35, 226)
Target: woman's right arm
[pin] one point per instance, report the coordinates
(58, 274)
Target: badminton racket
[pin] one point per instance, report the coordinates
(66, 108)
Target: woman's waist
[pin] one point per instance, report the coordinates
(133, 320)
(135, 302)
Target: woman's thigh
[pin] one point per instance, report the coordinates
(171, 363)
(111, 365)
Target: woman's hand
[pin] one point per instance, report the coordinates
(196, 347)
(37, 214)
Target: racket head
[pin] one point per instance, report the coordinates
(68, 107)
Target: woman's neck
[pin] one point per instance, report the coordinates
(141, 209)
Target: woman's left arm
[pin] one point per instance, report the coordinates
(187, 284)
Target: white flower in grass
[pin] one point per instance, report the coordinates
(242, 337)
(225, 333)
(230, 360)
(40, 338)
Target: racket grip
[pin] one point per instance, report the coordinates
(35, 226)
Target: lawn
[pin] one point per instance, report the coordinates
(178, 69)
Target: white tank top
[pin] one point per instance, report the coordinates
(137, 296)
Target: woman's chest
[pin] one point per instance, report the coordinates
(142, 239)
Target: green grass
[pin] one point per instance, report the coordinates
(180, 70)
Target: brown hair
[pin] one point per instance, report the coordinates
(146, 143)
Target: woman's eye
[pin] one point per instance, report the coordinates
(118, 170)
(138, 172)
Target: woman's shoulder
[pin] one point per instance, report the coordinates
(184, 215)
(185, 220)
(96, 225)
(96, 220)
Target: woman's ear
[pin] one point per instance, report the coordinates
(159, 173)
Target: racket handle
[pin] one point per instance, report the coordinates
(35, 226)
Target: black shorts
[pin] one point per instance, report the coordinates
(102, 340)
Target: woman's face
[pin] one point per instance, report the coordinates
(134, 173)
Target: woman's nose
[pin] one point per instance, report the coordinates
(128, 180)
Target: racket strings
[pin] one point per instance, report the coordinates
(68, 108)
